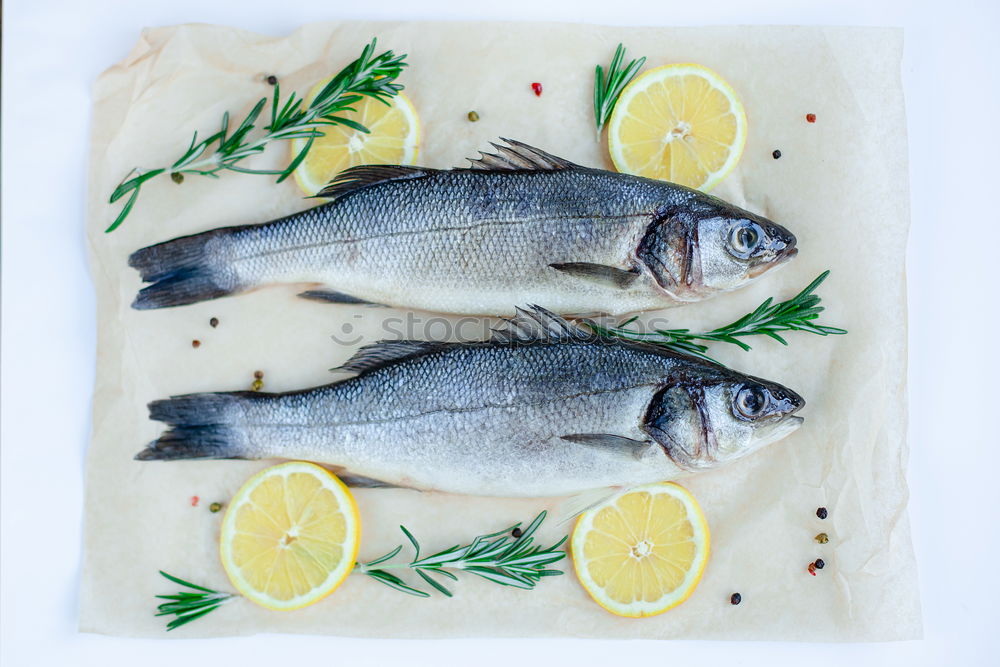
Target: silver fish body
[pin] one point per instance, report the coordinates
(552, 415)
(525, 228)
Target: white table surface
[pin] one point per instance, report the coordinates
(52, 51)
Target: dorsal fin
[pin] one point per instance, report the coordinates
(366, 175)
(517, 156)
(537, 324)
(383, 353)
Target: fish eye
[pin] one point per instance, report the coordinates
(744, 238)
(751, 401)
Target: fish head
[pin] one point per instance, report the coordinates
(708, 421)
(706, 245)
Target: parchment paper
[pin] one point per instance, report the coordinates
(840, 185)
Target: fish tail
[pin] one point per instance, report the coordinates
(202, 426)
(183, 271)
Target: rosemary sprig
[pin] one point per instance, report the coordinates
(495, 557)
(368, 76)
(769, 319)
(188, 606)
(607, 87)
(498, 557)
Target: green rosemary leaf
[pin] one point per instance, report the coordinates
(133, 183)
(608, 86)
(125, 210)
(236, 140)
(347, 100)
(494, 556)
(369, 75)
(183, 619)
(776, 337)
(263, 172)
(388, 556)
(768, 319)
(274, 105)
(396, 583)
(445, 573)
(179, 596)
(443, 557)
(350, 123)
(499, 577)
(224, 129)
(187, 606)
(437, 586)
(413, 541)
(178, 580)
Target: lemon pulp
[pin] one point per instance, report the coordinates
(679, 123)
(643, 552)
(393, 138)
(290, 536)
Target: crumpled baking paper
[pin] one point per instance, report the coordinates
(840, 185)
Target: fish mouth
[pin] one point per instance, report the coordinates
(781, 258)
(778, 431)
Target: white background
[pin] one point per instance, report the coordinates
(52, 52)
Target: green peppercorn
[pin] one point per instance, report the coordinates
(214, 507)
(821, 513)
(822, 538)
(473, 116)
(735, 599)
(257, 385)
(177, 177)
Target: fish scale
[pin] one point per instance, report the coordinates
(479, 241)
(554, 414)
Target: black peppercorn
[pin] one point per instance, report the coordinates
(821, 513)
(776, 154)
(820, 564)
(735, 598)
(517, 532)
(214, 322)
(271, 79)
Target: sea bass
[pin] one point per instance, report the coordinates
(543, 409)
(519, 226)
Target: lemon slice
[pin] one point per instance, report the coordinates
(393, 138)
(643, 552)
(290, 536)
(679, 123)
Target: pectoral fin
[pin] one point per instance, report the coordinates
(627, 446)
(601, 274)
(329, 296)
(362, 482)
